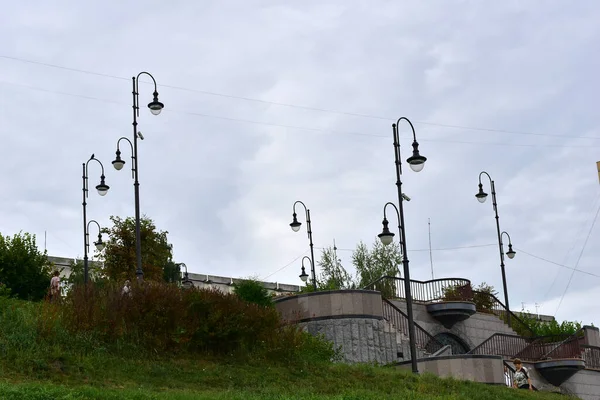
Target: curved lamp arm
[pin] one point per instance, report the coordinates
(510, 253)
(295, 223)
(118, 163)
(99, 244)
(102, 187)
(155, 106)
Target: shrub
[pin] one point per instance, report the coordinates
(551, 328)
(482, 296)
(253, 291)
(166, 319)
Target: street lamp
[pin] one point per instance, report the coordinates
(155, 107)
(102, 189)
(416, 163)
(295, 225)
(482, 197)
(303, 275)
(187, 283)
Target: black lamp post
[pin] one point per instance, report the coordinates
(155, 107)
(102, 189)
(482, 196)
(416, 162)
(187, 283)
(295, 225)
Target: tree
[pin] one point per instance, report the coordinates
(23, 268)
(172, 272)
(333, 275)
(119, 255)
(76, 277)
(379, 261)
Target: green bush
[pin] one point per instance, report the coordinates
(163, 318)
(551, 328)
(253, 291)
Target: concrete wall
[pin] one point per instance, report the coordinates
(351, 319)
(367, 340)
(585, 384)
(477, 368)
(225, 284)
(331, 304)
(473, 331)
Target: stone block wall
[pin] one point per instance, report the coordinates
(477, 368)
(366, 340)
(585, 384)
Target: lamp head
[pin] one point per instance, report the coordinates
(303, 275)
(102, 188)
(510, 253)
(295, 225)
(481, 195)
(155, 106)
(100, 245)
(118, 163)
(416, 161)
(386, 236)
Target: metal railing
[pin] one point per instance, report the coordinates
(449, 289)
(392, 287)
(553, 347)
(591, 356)
(399, 320)
(501, 344)
(509, 372)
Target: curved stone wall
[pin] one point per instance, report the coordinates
(331, 305)
(351, 319)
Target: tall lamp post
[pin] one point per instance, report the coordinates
(416, 162)
(295, 225)
(102, 189)
(482, 196)
(155, 107)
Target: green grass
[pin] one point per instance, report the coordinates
(40, 360)
(116, 378)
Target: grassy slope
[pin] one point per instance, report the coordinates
(114, 378)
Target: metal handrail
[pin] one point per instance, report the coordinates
(421, 291)
(424, 340)
(501, 312)
(501, 344)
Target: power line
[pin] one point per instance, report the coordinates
(285, 266)
(510, 144)
(571, 249)
(578, 259)
(290, 105)
(427, 249)
(555, 263)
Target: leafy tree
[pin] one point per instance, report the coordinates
(252, 291)
(379, 261)
(76, 277)
(23, 268)
(119, 255)
(333, 275)
(172, 272)
(549, 328)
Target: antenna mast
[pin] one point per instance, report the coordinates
(430, 254)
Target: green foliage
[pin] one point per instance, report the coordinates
(162, 318)
(481, 296)
(333, 275)
(172, 272)
(550, 328)
(23, 268)
(119, 255)
(76, 277)
(252, 291)
(373, 264)
(4, 291)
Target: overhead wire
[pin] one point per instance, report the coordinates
(578, 259)
(290, 105)
(510, 144)
(285, 266)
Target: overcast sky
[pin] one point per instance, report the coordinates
(269, 102)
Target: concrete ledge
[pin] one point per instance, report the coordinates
(472, 367)
(332, 304)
